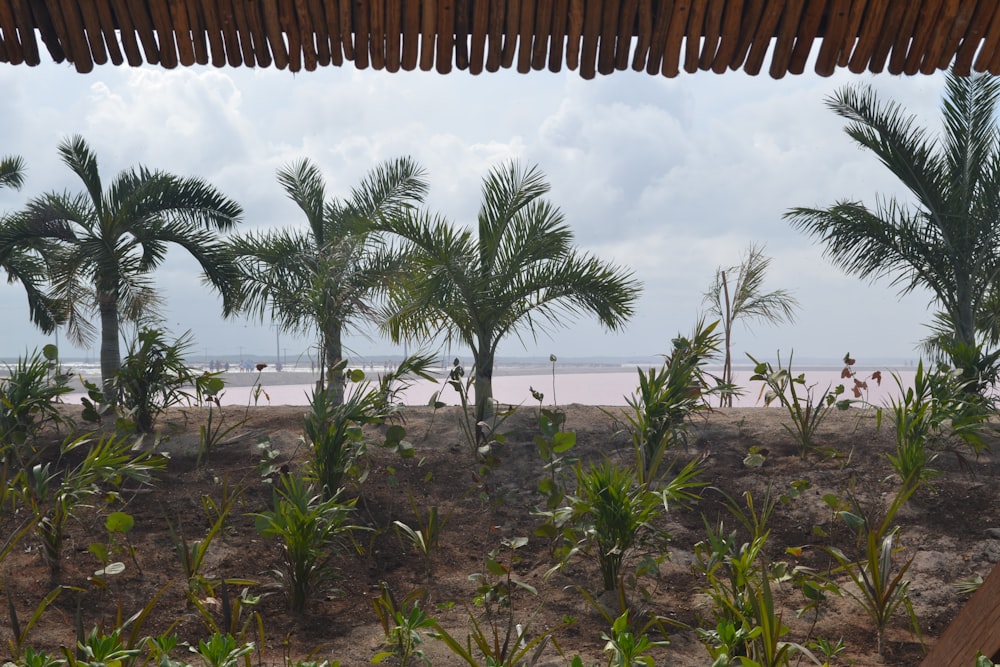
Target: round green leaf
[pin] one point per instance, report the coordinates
(119, 522)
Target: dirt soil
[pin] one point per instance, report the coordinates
(945, 529)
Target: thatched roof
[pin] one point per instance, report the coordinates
(661, 37)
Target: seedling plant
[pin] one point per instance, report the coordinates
(310, 528)
(805, 408)
(879, 582)
(497, 635)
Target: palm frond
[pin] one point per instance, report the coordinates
(12, 171)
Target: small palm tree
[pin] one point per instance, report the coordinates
(518, 274)
(324, 278)
(947, 241)
(737, 293)
(102, 245)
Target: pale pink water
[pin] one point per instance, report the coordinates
(606, 388)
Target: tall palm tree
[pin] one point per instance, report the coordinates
(103, 245)
(323, 278)
(22, 262)
(737, 293)
(946, 241)
(517, 274)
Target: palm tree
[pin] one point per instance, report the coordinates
(947, 241)
(102, 245)
(737, 294)
(22, 262)
(323, 278)
(519, 274)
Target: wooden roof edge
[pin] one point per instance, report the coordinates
(595, 40)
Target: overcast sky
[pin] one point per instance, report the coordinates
(670, 177)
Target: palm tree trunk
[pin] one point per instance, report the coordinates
(727, 368)
(484, 392)
(334, 353)
(111, 359)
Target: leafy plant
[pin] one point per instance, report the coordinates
(222, 650)
(553, 443)
(27, 402)
(937, 408)
(309, 527)
(625, 649)
(425, 537)
(54, 495)
(666, 398)
(611, 519)
(480, 436)
(497, 636)
(403, 624)
(828, 649)
(191, 555)
(880, 587)
(738, 575)
(118, 525)
(153, 377)
(210, 434)
(334, 425)
(806, 410)
(99, 649)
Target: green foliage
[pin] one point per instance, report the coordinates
(938, 407)
(983, 661)
(940, 235)
(209, 387)
(53, 493)
(222, 650)
(666, 399)
(27, 402)
(334, 425)
(425, 537)
(310, 527)
(324, 278)
(805, 409)
(118, 525)
(103, 243)
(880, 587)
(738, 575)
(191, 555)
(335, 436)
(553, 444)
(403, 624)
(99, 649)
(612, 519)
(153, 377)
(482, 436)
(625, 649)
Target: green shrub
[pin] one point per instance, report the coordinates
(310, 528)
